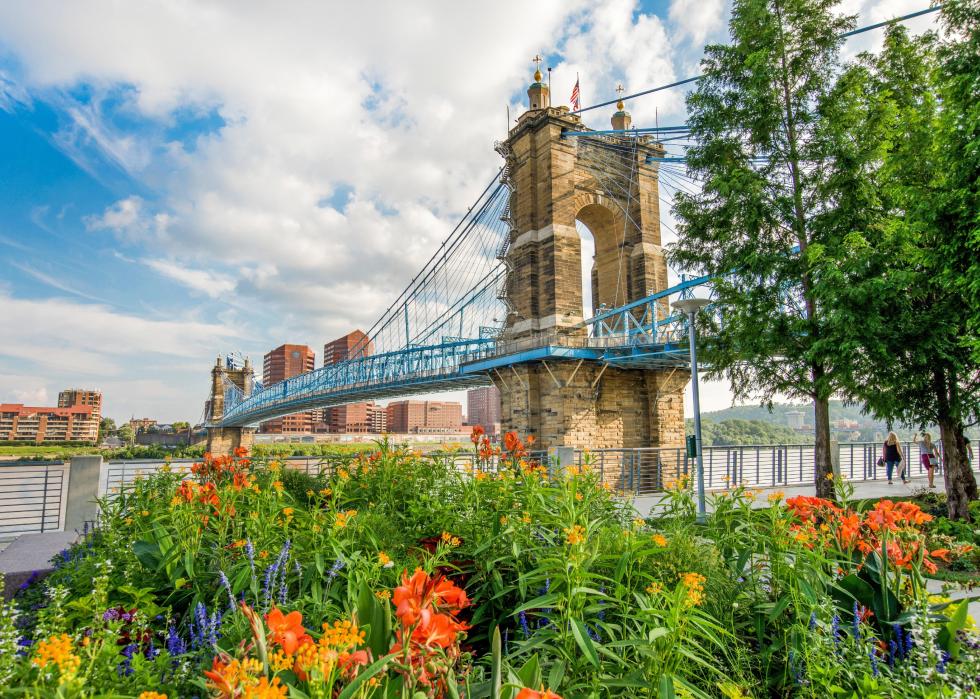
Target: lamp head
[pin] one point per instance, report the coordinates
(690, 306)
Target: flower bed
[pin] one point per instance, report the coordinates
(400, 577)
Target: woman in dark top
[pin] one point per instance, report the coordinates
(891, 452)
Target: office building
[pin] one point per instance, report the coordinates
(483, 408)
(353, 417)
(278, 365)
(425, 417)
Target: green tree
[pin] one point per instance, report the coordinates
(911, 358)
(181, 426)
(761, 118)
(107, 427)
(126, 434)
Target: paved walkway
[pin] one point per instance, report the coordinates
(29, 553)
(646, 504)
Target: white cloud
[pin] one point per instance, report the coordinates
(200, 280)
(697, 18)
(129, 220)
(397, 103)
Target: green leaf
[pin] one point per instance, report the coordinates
(370, 671)
(666, 687)
(584, 642)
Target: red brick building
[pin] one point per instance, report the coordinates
(353, 417)
(425, 417)
(278, 365)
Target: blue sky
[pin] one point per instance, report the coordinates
(180, 180)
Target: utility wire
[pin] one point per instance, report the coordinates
(853, 32)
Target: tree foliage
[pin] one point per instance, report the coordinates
(905, 276)
(780, 185)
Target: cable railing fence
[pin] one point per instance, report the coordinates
(32, 497)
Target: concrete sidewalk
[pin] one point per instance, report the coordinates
(30, 553)
(646, 504)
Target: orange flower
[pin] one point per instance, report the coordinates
(287, 630)
(418, 596)
(437, 630)
(350, 663)
(476, 434)
(532, 694)
(221, 679)
(941, 554)
(241, 452)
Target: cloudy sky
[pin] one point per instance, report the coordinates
(179, 179)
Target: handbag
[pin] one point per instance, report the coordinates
(881, 461)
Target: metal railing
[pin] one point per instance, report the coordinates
(33, 496)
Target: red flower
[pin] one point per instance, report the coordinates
(476, 434)
(532, 694)
(512, 442)
(241, 452)
(287, 630)
(350, 663)
(217, 676)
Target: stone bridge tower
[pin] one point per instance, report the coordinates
(556, 182)
(224, 440)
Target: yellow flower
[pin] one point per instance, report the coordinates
(57, 650)
(526, 518)
(343, 473)
(309, 493)
(450, 540)
(383, 595)
(277, 485)
(575, 535)
(152, 695)
(265, 689)
(776, 496)
(287, 511)
(145, 513)
(694, 583)
(639, 522)
(578, 496)
(829, 476)
(263, 554)
(341, 635)
(316, 528)
(325, 492)
(281, 661)
(654, 588)
(128, 521)
(384, 560)
(503, 519)
(659, 539)
(480, 475)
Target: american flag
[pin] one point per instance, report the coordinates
(576, 97)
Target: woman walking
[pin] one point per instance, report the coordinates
(929, 456)
(891, 454)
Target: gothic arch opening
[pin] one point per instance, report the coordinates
(604, 269)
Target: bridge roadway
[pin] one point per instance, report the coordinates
(641, 334)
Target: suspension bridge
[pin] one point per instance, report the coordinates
(500, 300)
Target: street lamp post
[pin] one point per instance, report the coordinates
(691, 308)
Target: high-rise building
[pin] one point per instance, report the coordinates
(353, 345)
(353, 417)
(278, 365)
(425, 417)
(74, 397)
(483, 408)
(21, 423)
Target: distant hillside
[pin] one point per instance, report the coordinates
(867, 428)
(729, 432)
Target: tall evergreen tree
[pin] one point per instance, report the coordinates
(775, 198)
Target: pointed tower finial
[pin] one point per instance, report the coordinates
(539, 94)
(621, 119)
